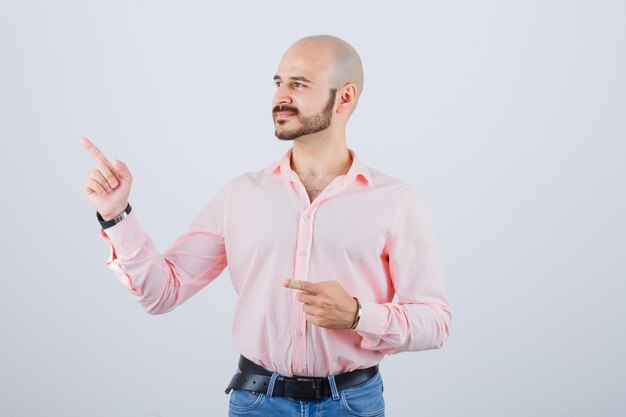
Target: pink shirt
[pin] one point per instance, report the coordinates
(369, 231)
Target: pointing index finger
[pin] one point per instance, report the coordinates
(301, 285)
(94, 151)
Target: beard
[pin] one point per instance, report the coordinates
(308, 124)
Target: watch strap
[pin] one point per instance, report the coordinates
(357, 318)
(115, 220)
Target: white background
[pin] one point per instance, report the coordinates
(508, 118)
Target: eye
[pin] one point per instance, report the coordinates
(297, 84)
(276, 83)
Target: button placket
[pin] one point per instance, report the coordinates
(303, 251)
(302, 265)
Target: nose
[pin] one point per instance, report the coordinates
(281, 96)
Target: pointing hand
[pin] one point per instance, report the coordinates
(325, 304)
(108, 186)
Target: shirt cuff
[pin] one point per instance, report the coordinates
(373, 318)
(126, 237)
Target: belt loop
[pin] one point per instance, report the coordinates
(333, 387)
(270, 388)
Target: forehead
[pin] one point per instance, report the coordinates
(307, 61)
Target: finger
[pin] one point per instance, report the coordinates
(92, 186)
(94, 151)
(309, 287)
(107, 174)
(316, 321)
(97, 175)
(306, 298)
(121, 169)
(292, 283)
(311, 310)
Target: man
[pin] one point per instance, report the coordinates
(318, 244)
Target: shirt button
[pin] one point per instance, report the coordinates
(302, 253)
(299, 332)
(300, 369)
(306, 217)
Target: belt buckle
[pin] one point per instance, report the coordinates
(311, 391)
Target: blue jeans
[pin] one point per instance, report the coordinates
(362, 400)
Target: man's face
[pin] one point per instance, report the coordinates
(303, 103)
(305, 124)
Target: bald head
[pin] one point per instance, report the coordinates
(342, 60)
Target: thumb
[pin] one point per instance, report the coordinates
(121, 169)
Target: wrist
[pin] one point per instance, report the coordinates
(108, 221)
(112, 214)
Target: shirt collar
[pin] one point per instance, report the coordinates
(358, 170)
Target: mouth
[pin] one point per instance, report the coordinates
(283, 115)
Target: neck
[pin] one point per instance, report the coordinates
(320, 157)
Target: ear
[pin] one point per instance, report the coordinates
(347, 98)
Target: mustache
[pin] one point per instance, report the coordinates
(282, 107)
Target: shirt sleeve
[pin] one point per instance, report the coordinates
(421, 318)
(161, 282)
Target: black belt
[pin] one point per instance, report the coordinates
(256, 378)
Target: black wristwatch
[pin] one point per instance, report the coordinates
(115, 220)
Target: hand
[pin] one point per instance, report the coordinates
(108, 186)
(325, 304)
